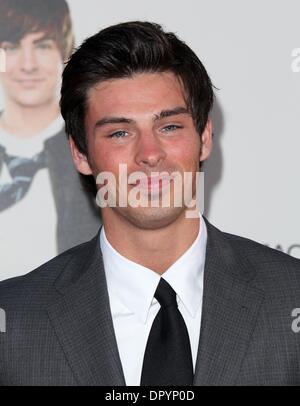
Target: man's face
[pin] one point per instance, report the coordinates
(33, 70)
(142, 122)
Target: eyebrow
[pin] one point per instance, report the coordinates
(42, 39)
(119, 120)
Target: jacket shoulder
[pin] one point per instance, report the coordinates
(37, 285)
(256, 251)
(275, 272)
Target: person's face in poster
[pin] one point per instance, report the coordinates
(33, 70)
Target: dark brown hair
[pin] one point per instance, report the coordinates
(21, 17)
(121, 51)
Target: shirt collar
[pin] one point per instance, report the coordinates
(29, 146)
(135, 284)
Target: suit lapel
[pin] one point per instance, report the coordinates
(80, 315)
(229, 313)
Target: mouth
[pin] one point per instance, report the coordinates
(28, 83)
(152, 183)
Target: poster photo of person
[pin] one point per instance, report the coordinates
(40, 191)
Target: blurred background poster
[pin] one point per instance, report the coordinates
(252, 53)
(41, 196)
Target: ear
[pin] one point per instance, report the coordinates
(79, 159)
(206, 141)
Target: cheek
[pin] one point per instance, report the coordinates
(108, 154)
(104, 159)
(54, 76)
(52, 67)
(7, 80)
(187, 155)
(10, 67)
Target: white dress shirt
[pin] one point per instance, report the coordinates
(131, 289)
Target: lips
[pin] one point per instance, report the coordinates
(29, 82)
(155, 182)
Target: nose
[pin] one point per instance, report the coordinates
(28, 61)
(149, 150)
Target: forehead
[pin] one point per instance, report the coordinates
(141, 93)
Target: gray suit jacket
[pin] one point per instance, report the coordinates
(59, 327)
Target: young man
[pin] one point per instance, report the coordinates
(157, 297)
(40, 191)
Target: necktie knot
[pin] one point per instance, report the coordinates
(22, 171)
(26, 167)
(165, 294)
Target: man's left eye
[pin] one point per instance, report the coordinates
(118, 134)
(10, 47)
(44, 45)
(171, 127)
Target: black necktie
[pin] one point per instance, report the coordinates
(168, 358)
(22, 171)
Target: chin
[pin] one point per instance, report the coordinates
(151, 218)
(31, 102)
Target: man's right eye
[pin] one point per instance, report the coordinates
(9, 46)
(118, 134)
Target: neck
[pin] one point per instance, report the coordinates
(25, 122)
(156, 249)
